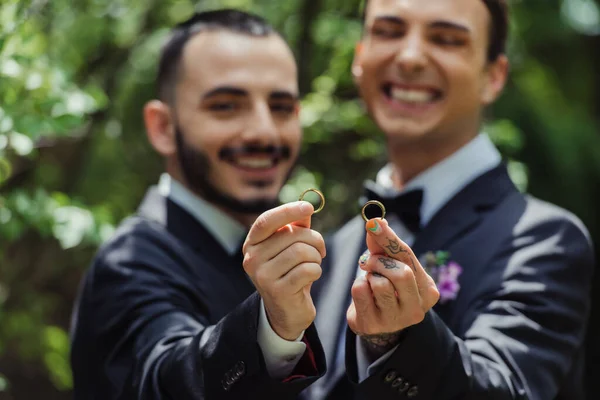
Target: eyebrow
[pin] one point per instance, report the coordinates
(234, 91)
(225, 90)
(449, 25)
(435, 24)
(283, 95)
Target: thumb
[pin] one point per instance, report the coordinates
(305, 222)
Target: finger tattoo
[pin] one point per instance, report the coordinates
(394, 247)
(388, 264)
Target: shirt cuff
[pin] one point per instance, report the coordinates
(281, 356)
(364, 369)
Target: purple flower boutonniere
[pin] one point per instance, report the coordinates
(445, 274)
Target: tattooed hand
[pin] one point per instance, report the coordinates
(395, 293)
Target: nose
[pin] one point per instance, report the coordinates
(261, 128)
(411, 58)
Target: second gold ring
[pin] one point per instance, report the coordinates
(373, 202)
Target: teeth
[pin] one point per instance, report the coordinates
(255, 162)
(412, 96)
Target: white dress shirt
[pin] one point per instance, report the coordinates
(281, 356)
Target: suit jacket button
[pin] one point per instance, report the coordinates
(228, 380)
(226, 385)
(397, 382)
(403, 386)
(390, 376)
(239, 369)
(413, 392)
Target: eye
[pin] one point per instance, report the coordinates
(386, 32)
(223, 106)
(283, 108)
(446, 39)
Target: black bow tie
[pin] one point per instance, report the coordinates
(407, 206)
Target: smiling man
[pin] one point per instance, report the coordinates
(167, 310)
(468, 289)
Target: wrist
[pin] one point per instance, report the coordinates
(290, 336)
(379, 344)
(281, 330)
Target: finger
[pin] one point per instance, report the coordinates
(362, 313)
(304, 222)
(284, 238)
(363, 297)
(299, 277)
(403, 280)
(381, 239)
(272, 220)
(395, 271)
(296, 254)
(362, 260)
(412, 308)
(430, 297)
(383, 293)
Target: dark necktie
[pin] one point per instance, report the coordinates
(407, 206)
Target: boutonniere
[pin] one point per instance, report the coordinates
(444, 273)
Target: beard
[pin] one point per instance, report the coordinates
(196, 168)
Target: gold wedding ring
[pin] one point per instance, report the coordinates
(375, 202)
(301, 198)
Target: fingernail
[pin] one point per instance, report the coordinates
(304, 206)
(374, 226)
(363, 259)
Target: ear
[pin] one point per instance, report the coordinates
(160, 127)
(496, 74)
(357, 70)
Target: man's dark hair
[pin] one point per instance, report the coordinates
(498, 27)
(227, 19)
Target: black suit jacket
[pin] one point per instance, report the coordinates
(150, 294)
(516, 329)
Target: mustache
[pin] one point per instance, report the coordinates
(278, 152)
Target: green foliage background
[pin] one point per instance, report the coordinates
(74, 159)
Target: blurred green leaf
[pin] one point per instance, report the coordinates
(56, 357)
(3, 383)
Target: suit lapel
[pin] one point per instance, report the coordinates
(180, 223)
(464, 210)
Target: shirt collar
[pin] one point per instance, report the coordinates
(438, 185)
(228, 232)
